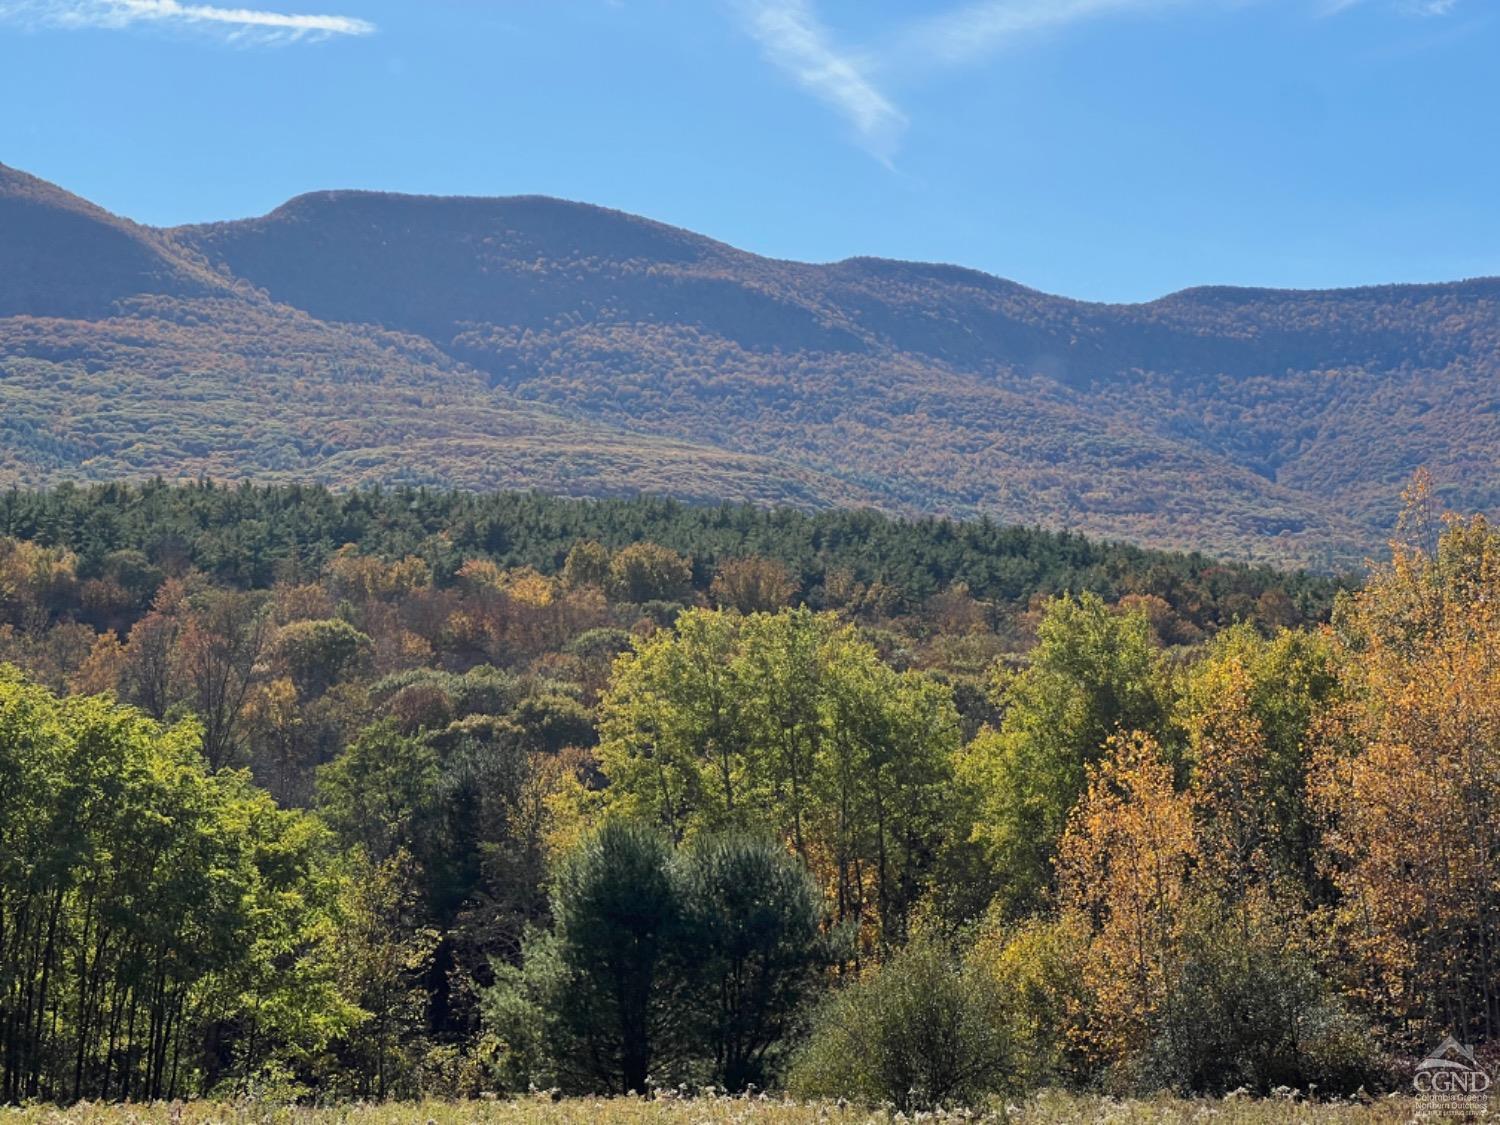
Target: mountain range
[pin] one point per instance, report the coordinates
(357, 338)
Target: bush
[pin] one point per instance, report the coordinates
(1037, 966)
(1247, 1007)
(921, 1032)
(527, 1033)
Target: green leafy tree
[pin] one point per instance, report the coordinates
(883, 809)
(163, 928)
(790, 724)
(1094, 673)
(672, 732)
(1249, 709)
(587, 564)
(483, 853)
(377, 793)
(385, 954)
(317, 654)
(780, 666)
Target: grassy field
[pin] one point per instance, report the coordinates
(1047, 1109)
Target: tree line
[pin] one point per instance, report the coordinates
(252, 536)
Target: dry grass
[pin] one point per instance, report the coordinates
(1045, 1109)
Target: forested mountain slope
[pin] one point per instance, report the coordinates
(123, 354)
(1254, 422)
(354, 337)
(64, 257)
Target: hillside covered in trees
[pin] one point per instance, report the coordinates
(356, 338)
(318, 795)
(124, 356)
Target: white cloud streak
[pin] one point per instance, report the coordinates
(237, 23)
(1410, 7)
(796, 42)
(979, 29)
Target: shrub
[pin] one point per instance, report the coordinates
(923, 1031)
(523, 1012)
(1038, 967)
(1247, 1007)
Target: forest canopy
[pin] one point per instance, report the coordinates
(390, 793)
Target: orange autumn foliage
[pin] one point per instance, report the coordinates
(1407, 776)
(1125, 863)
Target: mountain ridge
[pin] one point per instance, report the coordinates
(123, 258)
(1256, 423)
(1490, 281)
(95, 381)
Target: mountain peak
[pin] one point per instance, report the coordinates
(67, 257)
(539, 222)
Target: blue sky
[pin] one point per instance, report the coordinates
(1107, 149)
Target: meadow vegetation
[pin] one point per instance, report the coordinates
(1051, 1108)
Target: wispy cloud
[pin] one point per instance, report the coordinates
(973, 31)
(797, 42)
(263, 26)
(1411, 7)
(854, 81)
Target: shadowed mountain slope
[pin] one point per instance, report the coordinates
(1252, 422)
(123, 354)
(356, 337)
(62, 256)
